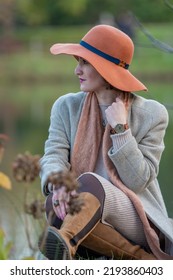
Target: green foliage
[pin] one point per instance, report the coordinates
(5, 249)
(33, 12)
(73, 8)
(153, 11)
(42, 12)
(65, 12)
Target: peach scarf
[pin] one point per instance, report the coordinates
(87, 142)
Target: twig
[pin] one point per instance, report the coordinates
(168, 4)
(155, 42)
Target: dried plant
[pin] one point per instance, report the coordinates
(26, 167)
(64, 178)
(35, 208)
(69, 181)
(75, 204)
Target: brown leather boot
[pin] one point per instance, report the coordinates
(108, 242)
(63, 243)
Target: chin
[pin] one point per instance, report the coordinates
(84, 89)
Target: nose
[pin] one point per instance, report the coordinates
(78, 70)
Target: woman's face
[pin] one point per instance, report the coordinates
(90, 79)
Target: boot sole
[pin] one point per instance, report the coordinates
(54, 247)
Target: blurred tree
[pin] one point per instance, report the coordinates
(31, 12)
(43, 12)
(7, 23)
(73, 7)
(7, 14)
(146, 11)
(167, 2)
(151, 11)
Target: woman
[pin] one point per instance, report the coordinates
(113, 140)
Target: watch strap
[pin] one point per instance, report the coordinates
(115, 131)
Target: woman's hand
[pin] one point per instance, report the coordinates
(117, 112)
(60, 201)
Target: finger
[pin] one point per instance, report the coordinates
(62, 210)
(118, 99)
(55, 197)
(66, 208)
(127, 101)
(56, 204)
(126, 97)
(74, 193)
(58, 212)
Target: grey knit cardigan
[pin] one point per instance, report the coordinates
(137, 161)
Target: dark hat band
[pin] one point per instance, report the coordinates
(104, 55)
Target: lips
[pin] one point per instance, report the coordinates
(81, 80)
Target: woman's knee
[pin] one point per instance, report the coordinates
(88, 182)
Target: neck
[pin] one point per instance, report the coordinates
(107, 97)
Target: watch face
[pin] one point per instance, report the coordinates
(119, 128)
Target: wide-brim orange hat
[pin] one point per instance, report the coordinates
(110, 52)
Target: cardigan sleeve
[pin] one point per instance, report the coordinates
(57, 146)
(137, 159)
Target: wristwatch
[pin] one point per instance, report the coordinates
(119, 128)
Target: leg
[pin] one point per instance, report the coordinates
(109, 242)
(53, 220)
(104, 241)
(99, 237)
(120, 213)
(63, 243)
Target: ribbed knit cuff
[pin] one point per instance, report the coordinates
(120, 139)
(48, 188)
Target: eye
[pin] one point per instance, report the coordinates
(83, 61)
